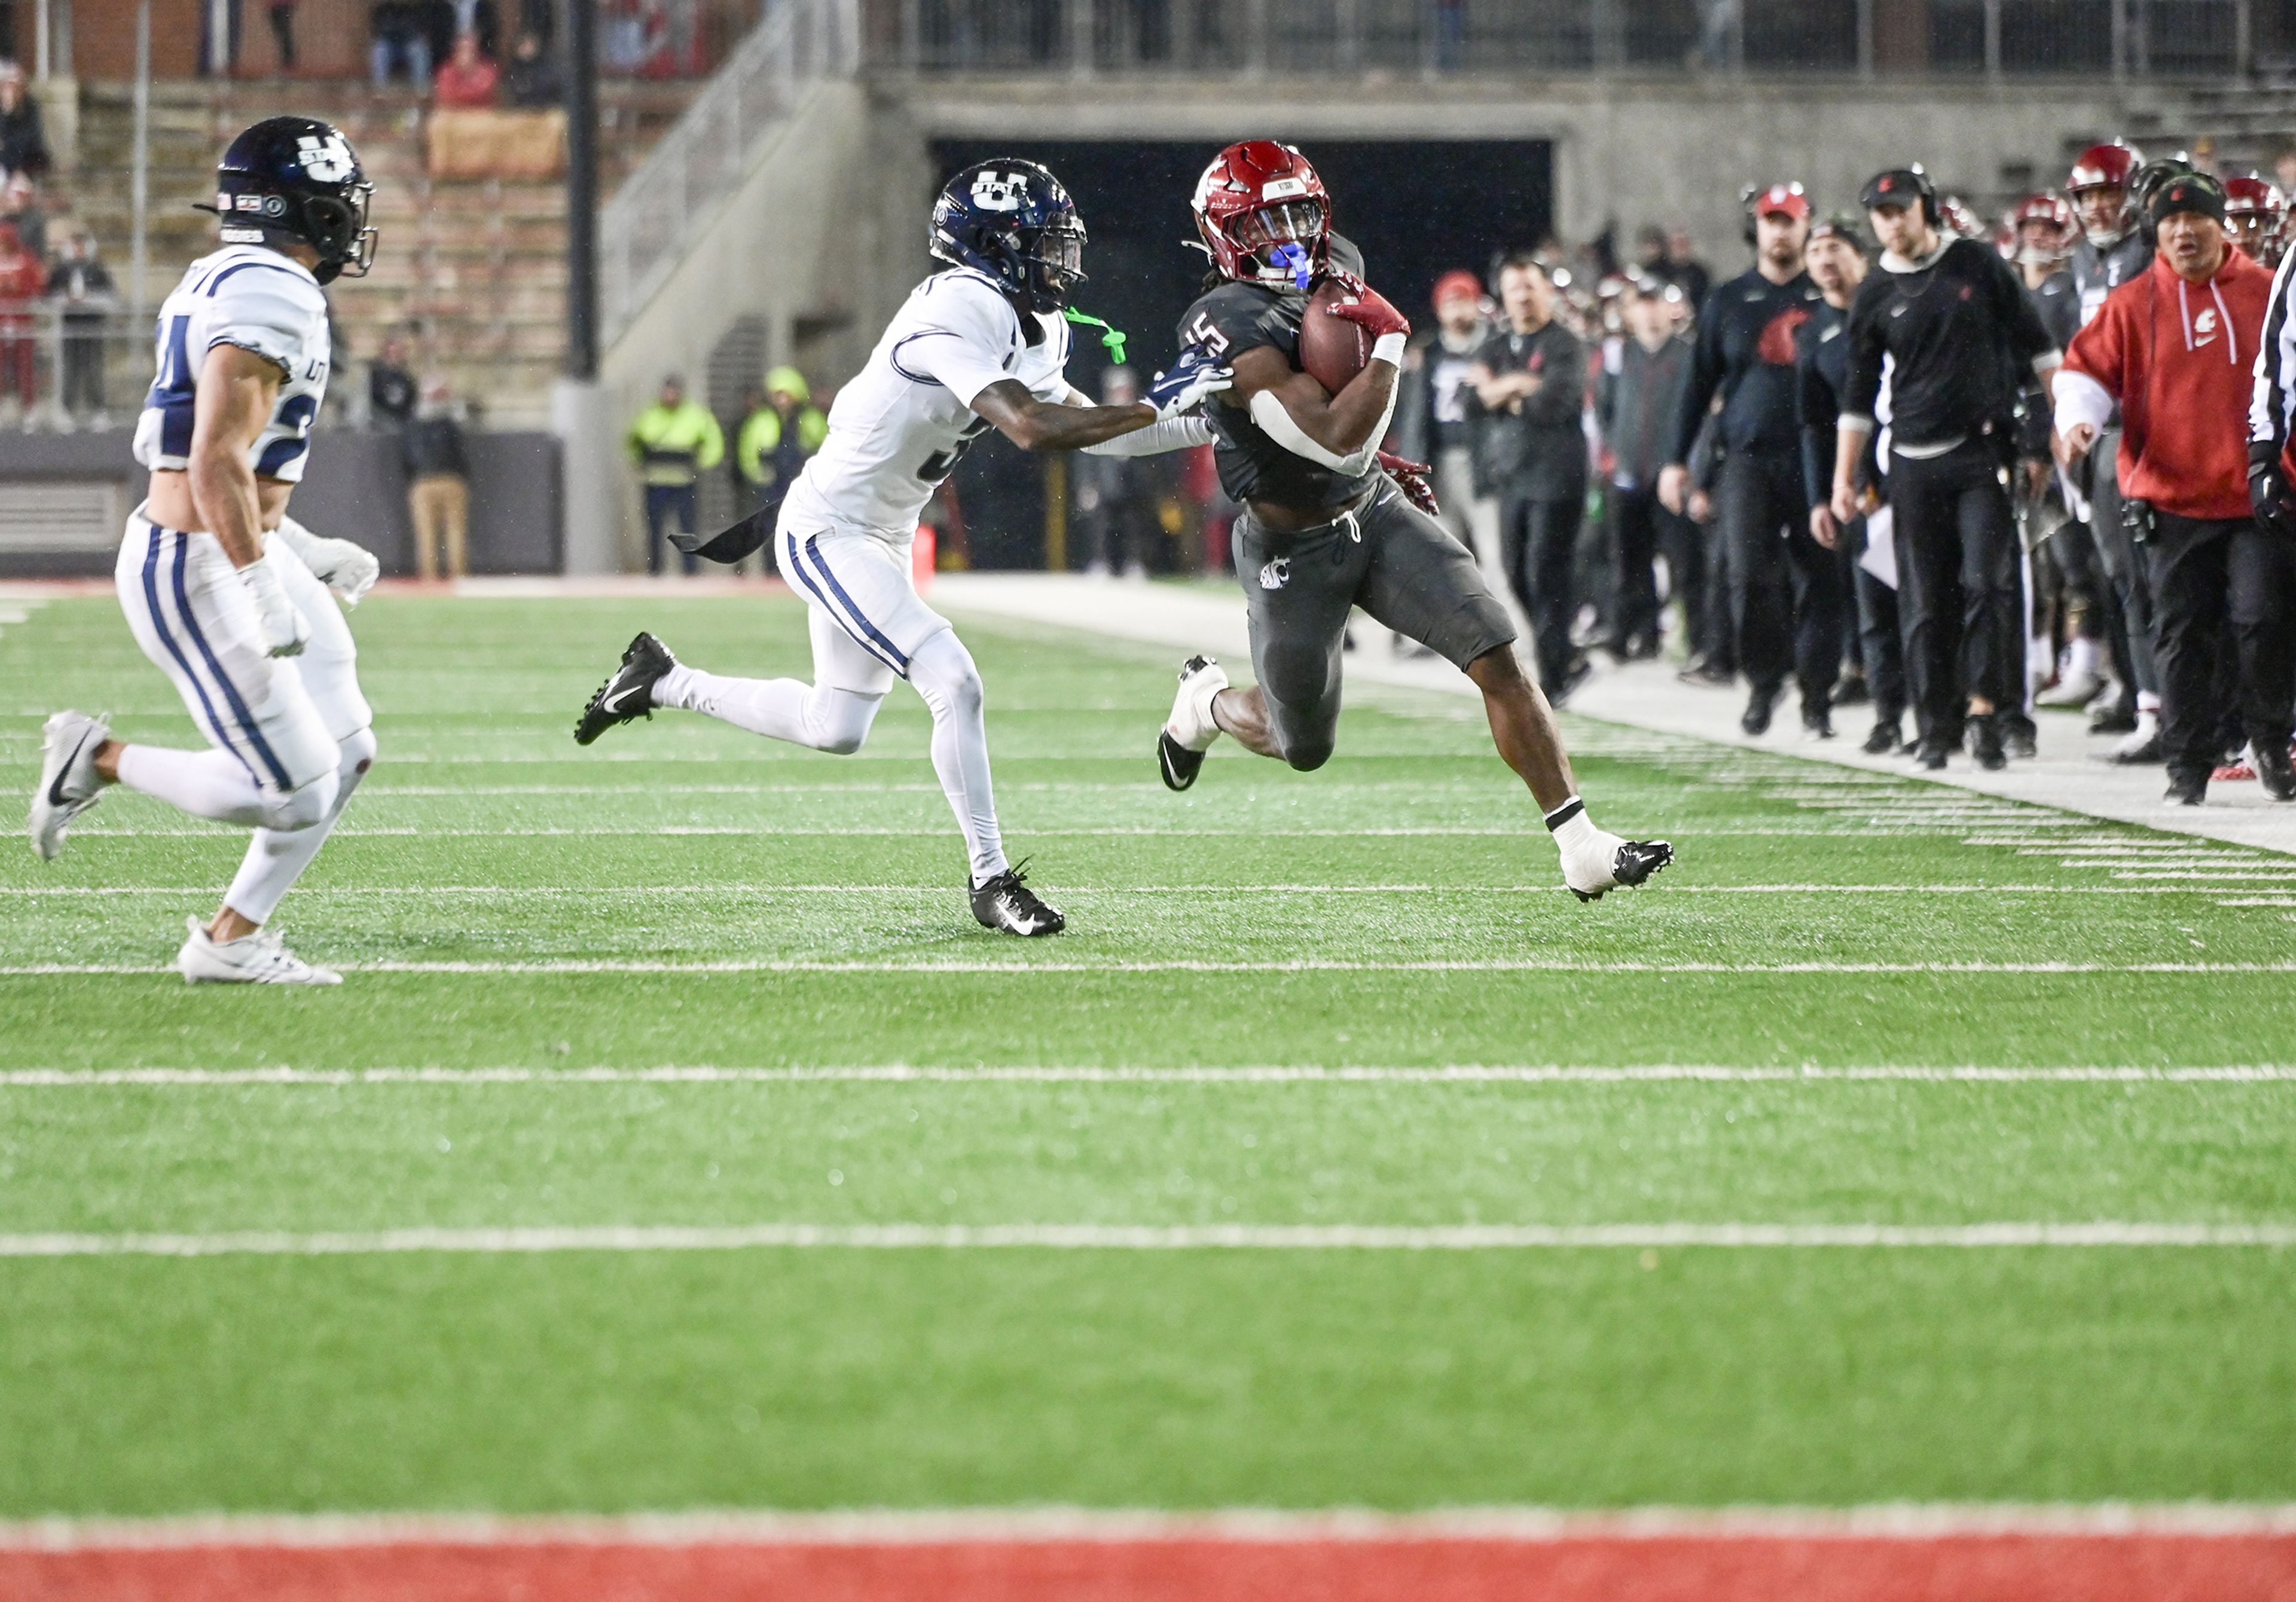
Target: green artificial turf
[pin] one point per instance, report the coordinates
(1410, 879)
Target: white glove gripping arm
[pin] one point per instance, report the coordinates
(349, 569)
(1171, 434)
(1268, 412)
(282, 627)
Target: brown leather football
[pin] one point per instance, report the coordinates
(1331, 349)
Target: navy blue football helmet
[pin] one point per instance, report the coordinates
(1013, 221)
(296, 179)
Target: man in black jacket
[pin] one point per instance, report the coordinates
(1785, 591)
(1636, 400)
(1529, 382)
(1836, 255)
(1955, 324)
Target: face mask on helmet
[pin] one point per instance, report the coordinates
(341, 234)
(1265, 231)
(2105, 214)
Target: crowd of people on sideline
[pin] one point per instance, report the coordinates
(1907, 460)
(676, 441)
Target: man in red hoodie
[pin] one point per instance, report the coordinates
(2176, 348)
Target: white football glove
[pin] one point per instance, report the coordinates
(282, 627)
(348, 570)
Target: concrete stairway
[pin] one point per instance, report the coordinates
(472, 271)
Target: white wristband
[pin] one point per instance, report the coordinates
(1389, 348)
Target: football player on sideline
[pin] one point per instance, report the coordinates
(224, 591)
(981, 344)
(1325, 527)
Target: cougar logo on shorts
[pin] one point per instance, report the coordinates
(1276, 573)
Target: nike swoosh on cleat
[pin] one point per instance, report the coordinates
(613, 703)
(55, 786)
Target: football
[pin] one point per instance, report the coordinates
(1331, 349)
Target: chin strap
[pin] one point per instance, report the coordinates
(1112, 338)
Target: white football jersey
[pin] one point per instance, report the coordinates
(255, 298)
(898, 429)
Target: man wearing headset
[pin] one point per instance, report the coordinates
(1785, 593)
(1955, 324)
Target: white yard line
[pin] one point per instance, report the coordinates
(218, 1078)
(1020, 965)
(1915, 1521)
(1159, 1237)
(1224, 891)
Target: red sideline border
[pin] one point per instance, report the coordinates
(2188, 1553)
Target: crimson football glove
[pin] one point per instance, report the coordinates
(2269, 492)
(1366, 307)
(1411, 476)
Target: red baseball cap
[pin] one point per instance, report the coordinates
(1457, 284)
(1782, 199)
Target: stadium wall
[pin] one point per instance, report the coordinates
(1625, 151)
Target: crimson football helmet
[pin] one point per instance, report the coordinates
(2105, 218)
(1263, 215)
(2254, 209)
(2044, 224)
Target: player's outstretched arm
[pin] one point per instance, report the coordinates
(1074, 423)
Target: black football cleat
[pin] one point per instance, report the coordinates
(1006, 904)
(1634, 862)
(628, 695)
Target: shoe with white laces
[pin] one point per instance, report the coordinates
(69, 785)
(1191, 730)
(257, 959)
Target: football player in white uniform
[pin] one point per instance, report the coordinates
(981, 345)
(224, 591)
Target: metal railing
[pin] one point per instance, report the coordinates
(63, 366)
(1248, 37)
(646, 228)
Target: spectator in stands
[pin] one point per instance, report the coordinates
(471, 16)
(469, 81)
(532, 81)
(401, 37)
(19, 207)
(390, 389)
(81, 288)
(437, 482)
(21, 280)
(23, 144)
(1450, 20)
(282, 31)
(674, 441)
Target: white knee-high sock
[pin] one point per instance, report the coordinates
(206, 784)
(943, 672)
(790, 709)
(275, 858)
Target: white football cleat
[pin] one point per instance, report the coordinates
(1601, 862)
(69, 785)
(1189, 734)
(257, 959)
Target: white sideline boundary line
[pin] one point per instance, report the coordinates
(1153, 1238)
(942, 890)
(1910, 1521)
(587, 965)
(206, 1078)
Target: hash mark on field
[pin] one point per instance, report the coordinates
(900, 1074)
(1145, 1238)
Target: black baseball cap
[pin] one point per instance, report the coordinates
(2189, 191)
(1844, 226)
(1898, 186)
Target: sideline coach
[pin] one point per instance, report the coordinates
(1955, 322)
